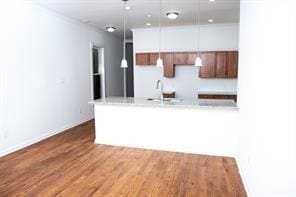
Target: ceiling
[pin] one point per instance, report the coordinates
(102, 13)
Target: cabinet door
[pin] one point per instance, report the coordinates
(153, 58)
(215, 96)
(142, 59)
(169, 95)
(221, 62)
(232, 64)
(191, 58)
(180, 58)
(209, 64)
(168, 61)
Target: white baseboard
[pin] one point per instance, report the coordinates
(43, 137)
(157, 148)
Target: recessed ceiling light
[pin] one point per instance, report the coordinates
(172, 15)
(110, 29)
(128, 7)
(211, 20)
(148, 24)
(149, 15)
(211, 0)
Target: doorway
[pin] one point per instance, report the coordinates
(130, 69)
(97, 72)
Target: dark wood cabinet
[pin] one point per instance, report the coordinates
(218, 96)
(185, 58)
(145, 59)
(191, 58)
(209, 64)
(221, 64)
(168, 61)
(169, 95)
(232, 64)
(142, 59)
(216, 64)
(153, 58)
(181, 58)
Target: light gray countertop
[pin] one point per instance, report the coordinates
(175, 103)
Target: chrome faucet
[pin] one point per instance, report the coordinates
(159, 86)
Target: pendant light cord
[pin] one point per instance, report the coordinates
(198, 30)
(124, 57)
(159, 30)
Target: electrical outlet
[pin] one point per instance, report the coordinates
(80, 111)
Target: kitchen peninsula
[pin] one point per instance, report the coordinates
(202, 126)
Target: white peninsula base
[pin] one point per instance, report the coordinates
(200, 130)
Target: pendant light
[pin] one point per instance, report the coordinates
(159, 62)
(198, 61)
(124, 62)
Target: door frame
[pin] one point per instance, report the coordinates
(102, 69)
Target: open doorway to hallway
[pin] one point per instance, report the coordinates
(97, 72)
(129, 70)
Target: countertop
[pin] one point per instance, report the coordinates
(175, 103)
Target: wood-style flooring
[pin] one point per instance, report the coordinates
(70, 164)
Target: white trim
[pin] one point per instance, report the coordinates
(155, 148)
(102, 65)
(43, 137)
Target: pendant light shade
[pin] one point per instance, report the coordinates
(198, 61)
(159, 62)
(124, 63)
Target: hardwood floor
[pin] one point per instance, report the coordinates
(70, 164)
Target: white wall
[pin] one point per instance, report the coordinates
(186, 82)
(45, 72)
(267, 97)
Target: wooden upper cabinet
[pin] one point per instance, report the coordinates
(209, 64)
(216, 64)
(181, 58)
(153, 58)
(232, 64)
(191, 58)
(168, 61)
(221, 64)
(142, 59)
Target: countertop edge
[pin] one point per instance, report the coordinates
(159, 105)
